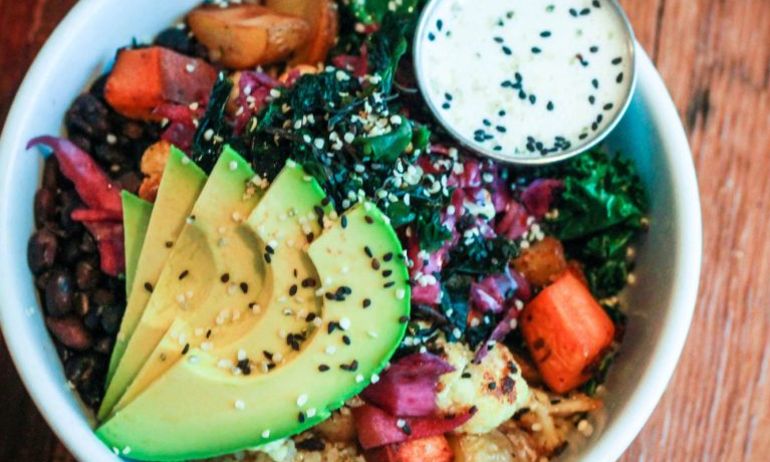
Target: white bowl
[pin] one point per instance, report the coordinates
(661, 303)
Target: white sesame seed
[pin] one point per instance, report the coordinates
(359, 378)
(345, 323)
(310, 413)
(375, 378)
(349, 137)
(239, 405)
(400, 423)
(242, 355)
(193, 359)
(194, 106)
(233, 165)
(372, 334)
(301, 400)
(330, 350)
(111, 139)
(400, 294)
(190, 67)
(631, 279)
(266, 434)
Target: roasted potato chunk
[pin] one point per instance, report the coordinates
(246, 36)
(543, 262)
(490, 447)
(323, 19)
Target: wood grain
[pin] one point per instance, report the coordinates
(715, 57)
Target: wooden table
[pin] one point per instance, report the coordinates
(715, 57)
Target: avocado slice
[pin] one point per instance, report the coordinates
(286, 218)
(197, 409)
(213, 242)
(180, 186)
(136, 218)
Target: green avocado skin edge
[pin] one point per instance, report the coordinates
(136, 219)
(189, 412)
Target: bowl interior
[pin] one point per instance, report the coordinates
(660, 304)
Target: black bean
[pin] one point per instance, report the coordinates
(45, 206)
(88, 115)
(177, 40)
(51, 174)
(41, 250)
(88, 244)
(92, 319)
(70, 332)
(82, 304)
(69, 202)
(102, 296)
(103, 345)
(132, 130)
(111, 154)
(59, 293)
(70, 251)
(111, 317)
(86, 274)
(80, 369)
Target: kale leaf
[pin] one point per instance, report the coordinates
(481, 257)
(601, 211)
(207, 147)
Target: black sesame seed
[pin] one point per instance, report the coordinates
(619, 78)
(501, 129)
(310, 237)
(583, 136)
(595, 83)
(573, 12)
(466, 375)
(608, 106)
(431, 36)
(507, 51)
(267, 355)
(268, 259)
(244, 366)
(498, 39)
(522, 95)
(388, 256)
(269, 249)
(326, 201)
(301, 417)
(594, 126)
(617, 61)
(330, 296)
(244, 288)
(367, 303)
(446, 106)
(186, 349)
(501, 113)
(311, 317)
(592, 99)
(596, 4)
(389, 284)
(346, 340)
(148, 287)
(332, 326)
(169, 244)
(406, 429)
(225, 277)
(518, 76)
(323, 368)
(293, 290)
(439, 24)
(403, 319)
(183, 274)
(545, 34)
(532, 99)
(536, 50)
(491, 385)
(208, 333)
(594, 49)
(549, 106)
(387, 273)
(344, 222)
(369, 220)
(368, 251)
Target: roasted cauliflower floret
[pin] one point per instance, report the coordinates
(494, 386)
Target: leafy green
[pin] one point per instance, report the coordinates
(213, 126)
(389, 146)
(600, 192)
(373, 11)
(481, 257)
(601, 211)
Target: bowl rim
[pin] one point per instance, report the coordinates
(615, 439)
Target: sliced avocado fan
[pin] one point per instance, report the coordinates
(287, 218)
(198, 408)
(180, 185)
(136, 218)
(212, 243)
